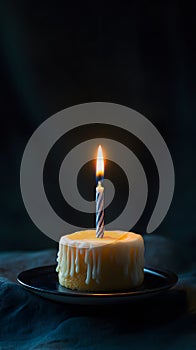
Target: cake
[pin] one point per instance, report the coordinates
(112, 263)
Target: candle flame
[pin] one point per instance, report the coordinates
(100, 163)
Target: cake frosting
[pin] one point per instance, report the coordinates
(114, 262)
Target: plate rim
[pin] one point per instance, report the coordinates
(164, 273)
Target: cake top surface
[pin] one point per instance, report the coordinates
(87, 238)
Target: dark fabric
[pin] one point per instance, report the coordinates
(166, 321)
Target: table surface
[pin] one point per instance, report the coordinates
(28, 321)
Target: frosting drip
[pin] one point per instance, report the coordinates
(69, 262)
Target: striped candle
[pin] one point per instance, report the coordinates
(100, 195)
(99, 210)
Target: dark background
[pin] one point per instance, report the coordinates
(55, 55)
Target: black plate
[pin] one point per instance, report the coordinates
(43, 281)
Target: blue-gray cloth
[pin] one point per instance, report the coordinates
(166, 321)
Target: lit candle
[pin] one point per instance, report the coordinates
(89, 263)
(100, 195)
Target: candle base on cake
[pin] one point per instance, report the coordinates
(112, 263)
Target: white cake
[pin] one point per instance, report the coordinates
(112, 263)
